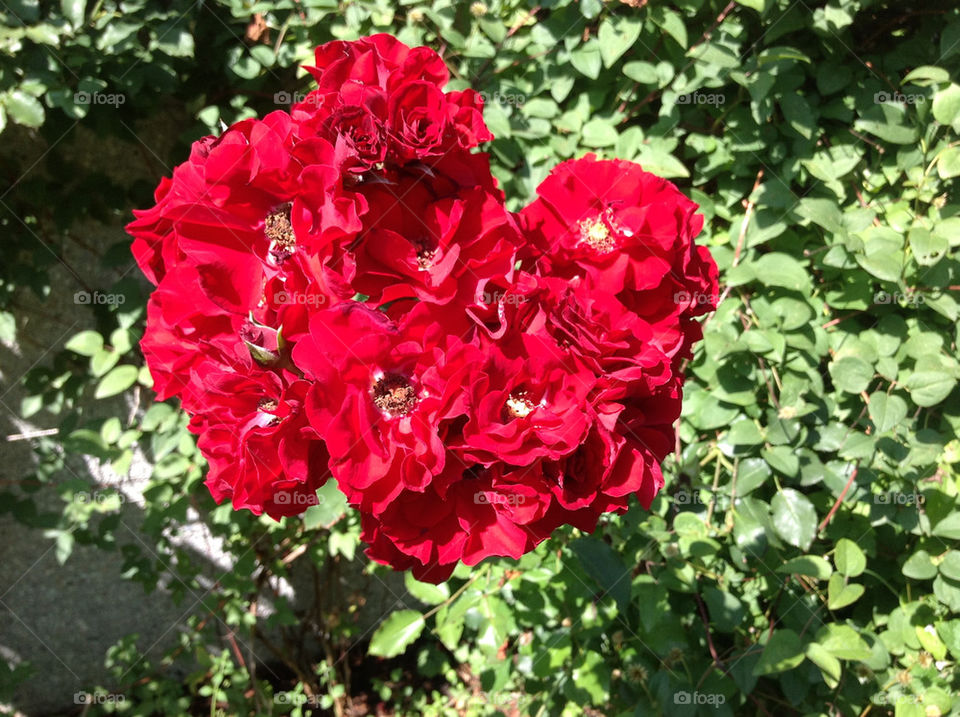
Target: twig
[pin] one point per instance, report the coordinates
(843, 493)
(706, 626)
(703, 38)
(746, 219)
(27, 435)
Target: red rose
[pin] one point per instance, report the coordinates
(526, 407)
(384, 395)
(252, 429)
(484, 512)
(610, 222)
(341, 291)
(431, 240)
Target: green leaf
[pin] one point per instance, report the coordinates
(758, 5)
(948, 527)
(64, 548)
(586, 59)
(886, 266)
(599, 133)
(330, 506)
(928, 388)
(848, 558)
(783, 652)
(752, 474)
(950, 565)
(616, 36)
(948, 166)
(931, 73)
(779, 269)
(930, 641)
(946, 106)
(889, 122)
(726, 610)
(886, 412)
(794, 518)
(947, 591)
(602, 563)
(811, 565)
(661, 163)
(396, 633)
(840, 594)
(919, 566)
(927, 248)
(86, 343)
(672, 24)
(798, 114)
(103, 361)
(83, 440)
(177, 41)
(843, 642)
(744, 432)
(425, 592)
(117, 381)
(783, 459)
(560, 86)
(828, 664)
(73, 10)
(23, 109)
(851, 374)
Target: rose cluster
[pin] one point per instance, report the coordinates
(341, 291)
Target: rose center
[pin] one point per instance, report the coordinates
(279, 231)
(425, 254)
(596, 234)
(519, 406)
(267, 404)
(394, 395)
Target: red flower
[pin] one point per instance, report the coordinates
(484, 512)
(341, 291)
(377, 92)
(431, 239)
(526, 407)
(610, 222)
(185, 329)
(253, 431)
(383, 397)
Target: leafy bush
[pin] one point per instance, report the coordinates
(802, 557)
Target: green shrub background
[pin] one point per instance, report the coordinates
(803, 557)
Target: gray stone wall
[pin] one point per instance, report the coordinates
(63, 618)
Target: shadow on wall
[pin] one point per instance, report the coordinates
(62, 618)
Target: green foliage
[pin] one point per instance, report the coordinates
(802, 556)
